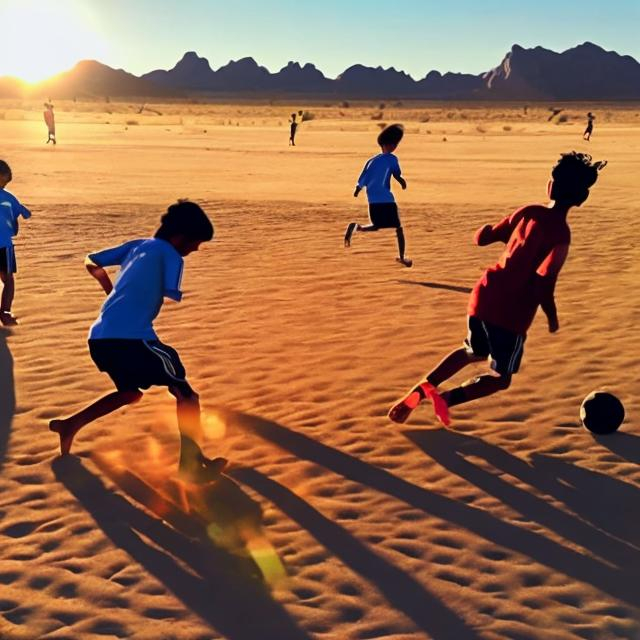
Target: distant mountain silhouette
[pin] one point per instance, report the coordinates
(11, 87)
(90, 78)
(191, 73)
(585, 72)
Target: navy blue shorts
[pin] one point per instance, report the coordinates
(384, 215)
(139, 364)
(487, 340)
(8, 262)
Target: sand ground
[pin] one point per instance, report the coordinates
(514, 523)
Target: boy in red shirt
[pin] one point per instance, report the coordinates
(505, 299)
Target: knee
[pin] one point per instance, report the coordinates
(503, 381)
(184, 393)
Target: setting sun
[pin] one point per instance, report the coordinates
(41, 38)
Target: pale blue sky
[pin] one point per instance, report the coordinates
(461, 35)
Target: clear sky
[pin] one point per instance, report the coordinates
(41, 37)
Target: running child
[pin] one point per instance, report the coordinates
(589, 129)
(376, 178)
(504, 301)
(10, 211)
(50, 121)
(123, 344)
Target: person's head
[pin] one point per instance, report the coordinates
(185, 225)
(293, 116)
(572, 177)
(390, 137)
(5, 174)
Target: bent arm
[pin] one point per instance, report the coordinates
(501, 232)
(545, 283)
(401, 180)
(99, 274)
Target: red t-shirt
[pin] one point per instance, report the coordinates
(537, 240)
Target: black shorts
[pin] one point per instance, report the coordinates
(139, 364)
(384, 215)
(505, 348)
(8, 262)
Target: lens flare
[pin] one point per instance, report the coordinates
(214, 425)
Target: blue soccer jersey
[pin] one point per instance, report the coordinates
(376, 177)
(10, 211)
(150, 270)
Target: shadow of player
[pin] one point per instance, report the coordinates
(437, 285)
(7, 393)
(220, 588)
(592, 497)
(538, 547)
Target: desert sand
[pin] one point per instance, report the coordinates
(513, 523)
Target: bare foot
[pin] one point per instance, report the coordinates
(8, 319)
(66, 434)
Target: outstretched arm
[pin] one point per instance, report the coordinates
(99, 274)
(500, 232)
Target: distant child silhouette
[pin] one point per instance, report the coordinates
(50, 120)
(292, 130)
(589, 130)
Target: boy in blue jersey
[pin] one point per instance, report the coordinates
(10, 211)
(376, 178)
(123, 344)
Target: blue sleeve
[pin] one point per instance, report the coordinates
(363, 175)
(113, 256)
(172, 277)
(396, 167)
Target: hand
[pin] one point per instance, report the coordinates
(403, 184)
(483, 235)
(554, 325)
(356, 192)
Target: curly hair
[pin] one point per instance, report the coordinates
(573, 175)
(187, 219)
(391, 135)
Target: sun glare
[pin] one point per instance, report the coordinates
(41, 38)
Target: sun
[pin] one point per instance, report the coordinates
(41, 38)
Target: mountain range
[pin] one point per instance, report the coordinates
(584, 72)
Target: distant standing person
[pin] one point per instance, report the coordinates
(50, 120)
(376, 178)
(10, 211)
(292, 131)
(589, 130)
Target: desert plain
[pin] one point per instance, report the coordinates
(513, 523)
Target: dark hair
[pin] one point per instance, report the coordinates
(5, 169)
(391, 135)
(573, 175)
(185, 218)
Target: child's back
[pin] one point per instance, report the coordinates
(376, 177)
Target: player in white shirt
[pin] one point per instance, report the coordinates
(123, 343)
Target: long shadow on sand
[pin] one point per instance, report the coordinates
(402, 591)
(437, 285)
(578, 566)
(7, 394)
(602, 523)
(221, 590)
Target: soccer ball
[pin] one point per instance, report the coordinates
(601, 412)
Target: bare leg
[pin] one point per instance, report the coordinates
(401, 247)
(475, 388)
(8, 292)
(451, 364)
(448, 367)
(68, 427)
(193, 463)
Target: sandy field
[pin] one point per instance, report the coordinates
(333, 523)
